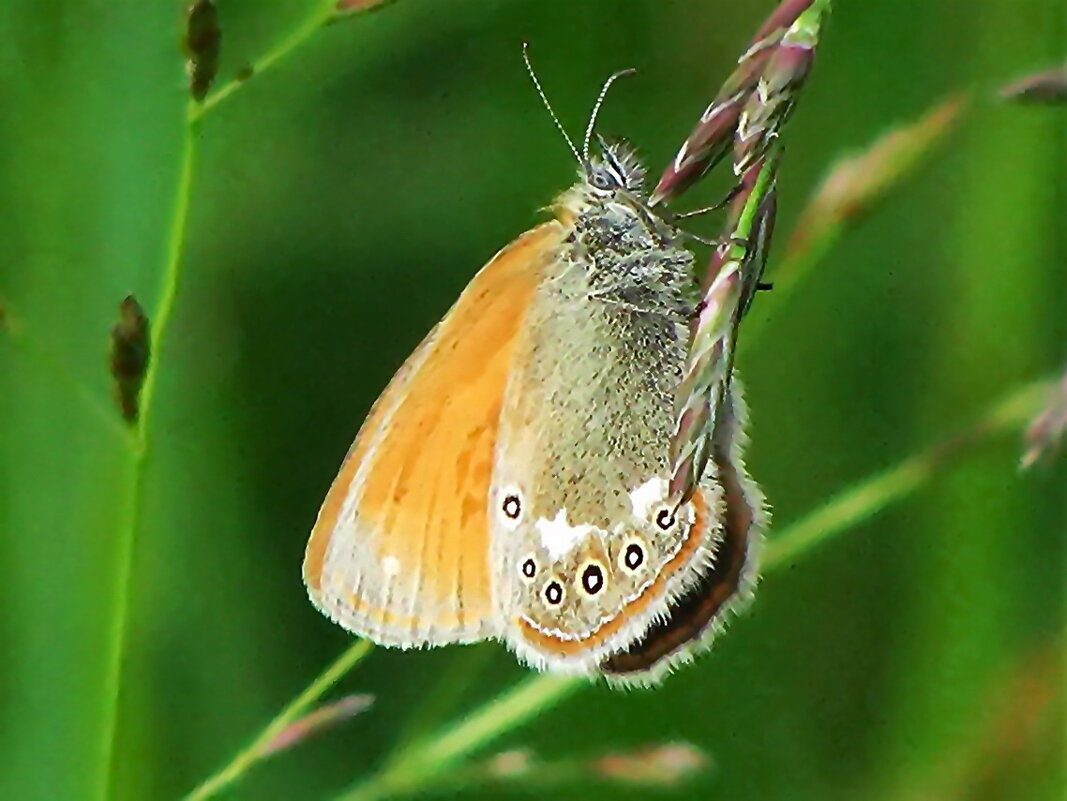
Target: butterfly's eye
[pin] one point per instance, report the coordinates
(553, 593)
(633, 556)
(511, 506)
(665, 518)
(600, 180)
(528, 568)
(604, 178)
(592, 580)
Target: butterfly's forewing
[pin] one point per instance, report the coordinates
(400, 550)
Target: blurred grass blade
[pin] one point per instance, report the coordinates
(201, 43)
(449, 687)
(1046, 431)
(265, 742)
(1045, 87)
(854, 186)
(664, 765)
(315, 722)
(1022, 725)
(656, 766)
(862, 501)
(428, 758)
(348, 7)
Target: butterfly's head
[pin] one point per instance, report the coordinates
(615, 170)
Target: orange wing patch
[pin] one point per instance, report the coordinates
(399, 552)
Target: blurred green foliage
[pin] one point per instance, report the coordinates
(339, 204)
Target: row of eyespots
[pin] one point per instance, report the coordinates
(592, 579)
(592, 582)
(630, 560)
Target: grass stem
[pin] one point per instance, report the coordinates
(321, 14)
(863, 500)
(125, 540)
(430, 757)
(254, 751)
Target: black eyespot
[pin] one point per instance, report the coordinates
(512, 507)
(554, 593)
(664, 519)
(634, 556)
(593, 579)
(529, 569)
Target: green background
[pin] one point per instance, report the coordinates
(340, 203)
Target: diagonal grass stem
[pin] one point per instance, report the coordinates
(863, 500)
(125, 540)
(255, 750)
(322, 13)
(430, 757)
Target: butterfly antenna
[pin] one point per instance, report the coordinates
(596, 111)
(544, 99)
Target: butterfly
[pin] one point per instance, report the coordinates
(511, 482)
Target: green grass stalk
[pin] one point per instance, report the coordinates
(254, 751)
(321, 14)
(428, 758)
(140, 447)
